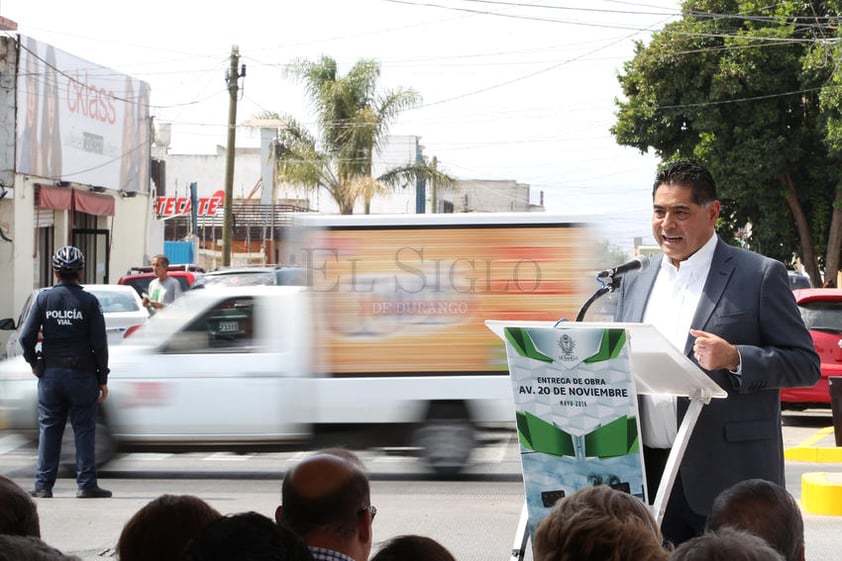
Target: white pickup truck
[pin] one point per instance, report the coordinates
(230, 368)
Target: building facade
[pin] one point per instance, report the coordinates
(74, 167)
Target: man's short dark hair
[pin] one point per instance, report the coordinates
(764, 509)
(165, 261)
(246, 536)
(412, 547)
(73, 276)
(728, 544)
(18, 515)
(337, 510)
(688, 174)
(163, 526)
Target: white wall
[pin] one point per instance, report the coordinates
(482, 195)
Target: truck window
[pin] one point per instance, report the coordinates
(227, 327)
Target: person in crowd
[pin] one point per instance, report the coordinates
(73, 372)
(731, 312)
(728, 544)
(413, 548)
(764, 509)
(599, 523)
(344, 453)
(246, 536)
(30, 548)
(164, 289)
(161, 529)
(18, 513)
(326, 500)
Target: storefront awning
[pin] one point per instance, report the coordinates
(93, 203)
(63, 198)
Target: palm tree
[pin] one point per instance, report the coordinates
(353, 122)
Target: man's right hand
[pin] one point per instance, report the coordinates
(103, 393)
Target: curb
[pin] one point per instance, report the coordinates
(807, 452)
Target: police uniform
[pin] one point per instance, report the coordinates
(75, 353)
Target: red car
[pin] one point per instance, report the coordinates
(821, 309)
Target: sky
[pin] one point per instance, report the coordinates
(521, 90)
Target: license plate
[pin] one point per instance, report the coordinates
(228, 327)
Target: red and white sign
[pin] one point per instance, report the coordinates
(178, 206)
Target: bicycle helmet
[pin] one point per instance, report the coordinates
(68, 259)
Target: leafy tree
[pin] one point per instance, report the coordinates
(353, 121)
(751, 90)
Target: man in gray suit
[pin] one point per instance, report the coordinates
(733, 313)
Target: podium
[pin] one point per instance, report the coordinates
(575, 387)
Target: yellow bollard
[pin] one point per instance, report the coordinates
(821, 493)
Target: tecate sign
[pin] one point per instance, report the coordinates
(177, 206)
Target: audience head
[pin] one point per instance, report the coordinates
(160, 529)
(345, 454)
(764, 509)
(30, 548)
(325, 500)
(413, 548)
(18, 513)
(247, 536)
(728, 544)
(599, 524)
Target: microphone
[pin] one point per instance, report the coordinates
(641, 263)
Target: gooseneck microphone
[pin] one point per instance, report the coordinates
(641, 263)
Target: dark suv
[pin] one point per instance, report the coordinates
(140, 277)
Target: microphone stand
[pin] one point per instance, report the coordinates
(612, 284)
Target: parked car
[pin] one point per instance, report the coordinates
(140, 277)
(253, 276)
(821, 309)
(797, 280)
(121, 306)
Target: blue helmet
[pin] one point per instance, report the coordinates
(68, 259)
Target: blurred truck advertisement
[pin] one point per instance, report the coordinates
(398, 295)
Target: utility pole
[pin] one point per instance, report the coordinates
(232, 80)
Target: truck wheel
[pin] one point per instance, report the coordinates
(445, 444)
(103, 445)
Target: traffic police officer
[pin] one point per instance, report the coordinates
(73, 373)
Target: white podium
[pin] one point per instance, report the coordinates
(657, 367)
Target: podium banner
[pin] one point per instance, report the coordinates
(576, 412)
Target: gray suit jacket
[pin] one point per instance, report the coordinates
(747, 301)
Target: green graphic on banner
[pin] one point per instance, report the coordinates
(614, 439)
(522, 343)
(613, 341)
(617, 438)
(537, 434)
